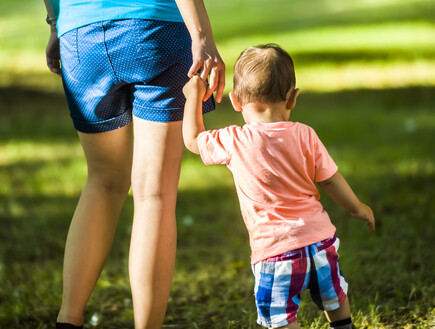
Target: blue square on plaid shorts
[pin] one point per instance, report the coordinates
(264, 294)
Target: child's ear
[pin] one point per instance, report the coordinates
(235, 102)
(291, 103)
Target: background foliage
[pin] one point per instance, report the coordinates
(367, 73)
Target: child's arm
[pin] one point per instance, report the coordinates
(193, 124)
(339, 190)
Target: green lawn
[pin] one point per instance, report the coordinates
(367, 74)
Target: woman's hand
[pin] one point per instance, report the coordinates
(207, 62)
(206, 58)
(52, 52)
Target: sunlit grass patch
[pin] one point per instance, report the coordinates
(345, 76)
(196, 176)
(329, 77)
(400, 38)
(366, 70)
(25, 151)
(23, 35)
(255, 17)
(31, 168)
(364, 53)
(352, 57)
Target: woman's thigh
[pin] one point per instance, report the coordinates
(158, 151)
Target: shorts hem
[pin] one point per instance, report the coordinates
(334, 306)
(276, 325)
(103, 126)
(159, 115)
(168, 115)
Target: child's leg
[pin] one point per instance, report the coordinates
(293, 325)
(341, 313)
(340, 318)
(278, 283)
(326, 271)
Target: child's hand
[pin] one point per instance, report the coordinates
(365, 213)
(339, 190)
(195, 88)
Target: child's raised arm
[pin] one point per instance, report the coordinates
(193, 124)
(340, 191)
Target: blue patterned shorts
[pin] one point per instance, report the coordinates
(279, 280)
(115, 69)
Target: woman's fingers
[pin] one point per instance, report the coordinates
(216, 80)
(211, 87)
(196, 66)
(208, 64)
(53, 64)
(220, 83)
(206, 68)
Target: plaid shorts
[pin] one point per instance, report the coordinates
(279, 281)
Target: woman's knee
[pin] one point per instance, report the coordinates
(143, 193)
(154, 184)
(110, 181)
(109, 159)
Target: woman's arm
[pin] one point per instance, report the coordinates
(206, 58)
(52, 52)
(52, 7)
(340, 191)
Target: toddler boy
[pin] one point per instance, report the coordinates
(276, 164)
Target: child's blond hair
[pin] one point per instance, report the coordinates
(264, 74)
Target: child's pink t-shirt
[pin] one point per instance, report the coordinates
(274, 166)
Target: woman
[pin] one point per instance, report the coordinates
(124, 64)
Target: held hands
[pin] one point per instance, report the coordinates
(52, 52)
(207, 62)
(365, 213)
(195, 89)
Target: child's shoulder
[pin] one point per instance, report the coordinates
(294, 126)
(303, 126)
(225, 129)
(231, 129)
(304, 129)
(228, 132)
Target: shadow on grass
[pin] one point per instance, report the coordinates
(36, 115)
(389, 271)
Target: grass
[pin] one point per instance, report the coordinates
(366, 70)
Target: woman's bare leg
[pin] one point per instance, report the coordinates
(90, 236)
(158, 150)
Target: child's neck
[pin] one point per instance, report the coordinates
(265, 113)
